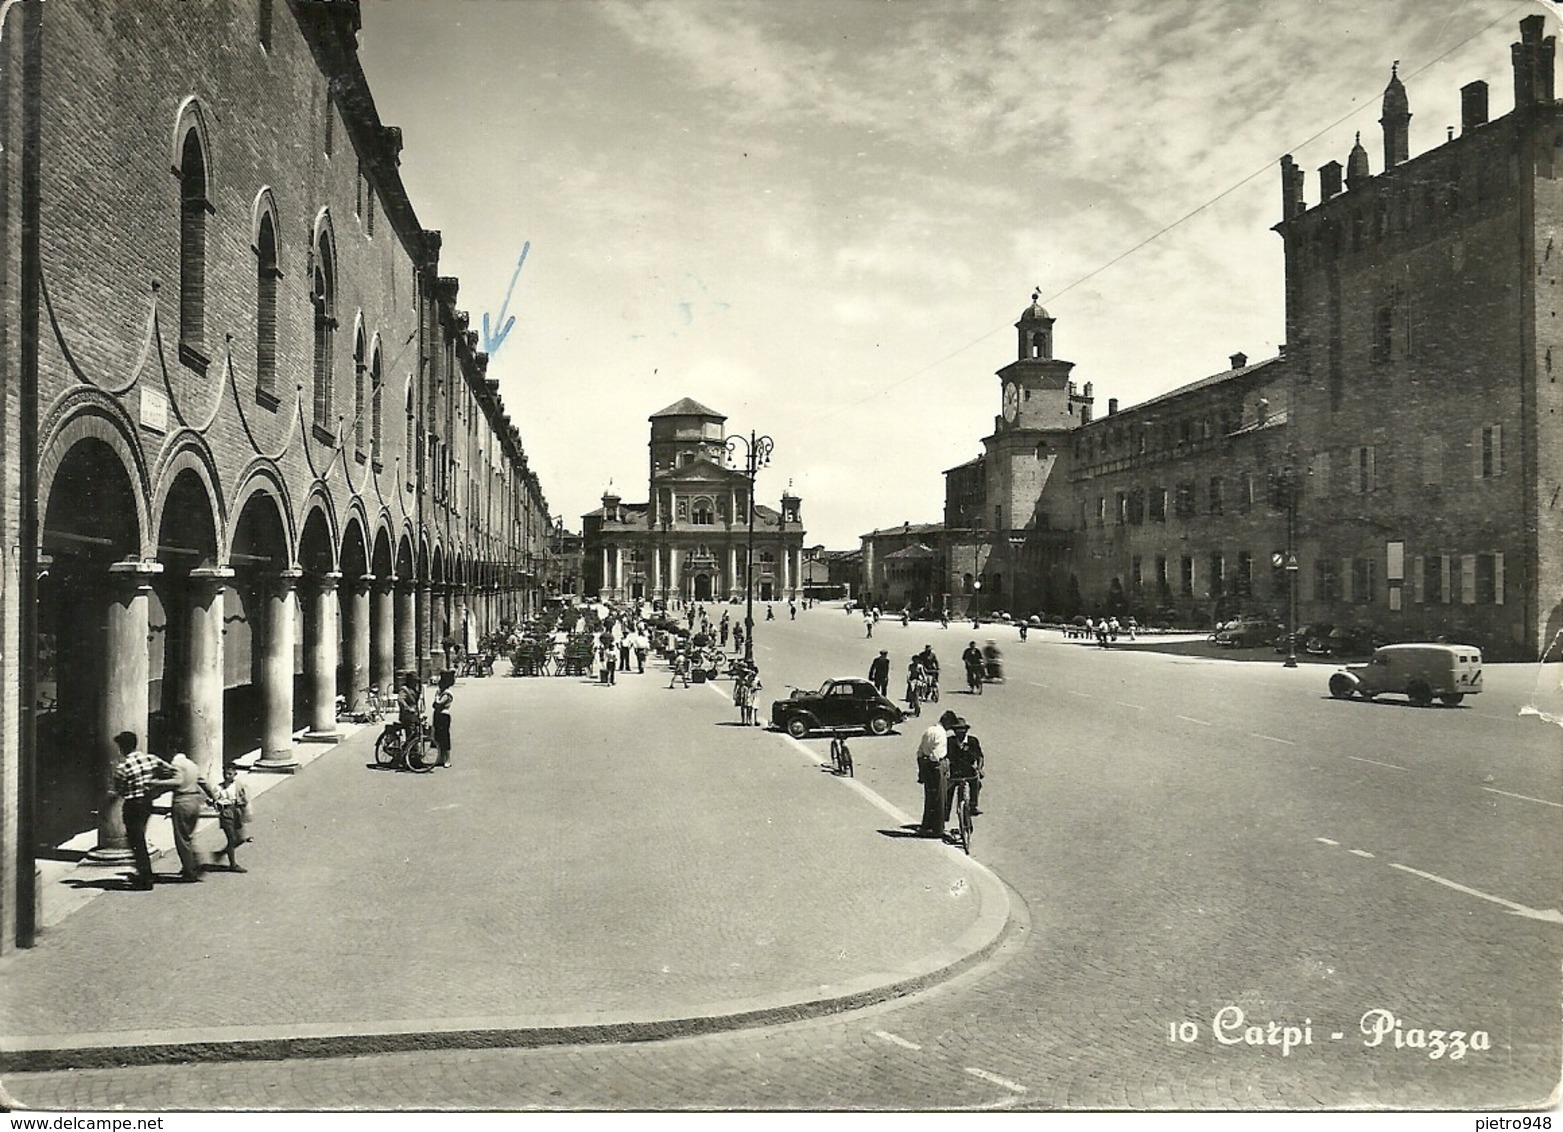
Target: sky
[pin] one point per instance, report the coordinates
(822, 220)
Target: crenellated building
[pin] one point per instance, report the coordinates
(1422, 312)
(253, 459)
(690, 539)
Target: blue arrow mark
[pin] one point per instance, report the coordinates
(492, 342)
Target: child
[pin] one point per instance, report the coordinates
(233, 813)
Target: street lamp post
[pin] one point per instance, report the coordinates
(757, 454)
(1288, 487)
(667, 546)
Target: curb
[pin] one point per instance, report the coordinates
(152, 1047)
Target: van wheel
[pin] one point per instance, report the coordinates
(1340, 686)
(1452, 699)
(1420, 693)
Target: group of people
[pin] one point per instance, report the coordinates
(140, 776)
(409, 710)
(947, 754)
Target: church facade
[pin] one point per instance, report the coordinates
(691, 539)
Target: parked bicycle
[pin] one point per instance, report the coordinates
(402, 748)
(371, 708)
(840, 757)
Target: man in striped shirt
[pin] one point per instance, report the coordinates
(138, 778)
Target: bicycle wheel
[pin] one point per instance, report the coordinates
(963, 816)
(933, 694)
(420, 753)
(846, 760)
(835, 754)
(386, 748)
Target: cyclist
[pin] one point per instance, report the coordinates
(993, 660)
(930, 663)
(975, 665)
(965, 755)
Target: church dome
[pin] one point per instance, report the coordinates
(1036, 312)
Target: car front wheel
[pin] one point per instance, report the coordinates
(797, 727)
(879, 725)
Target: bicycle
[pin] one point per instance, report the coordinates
(401, 749)
(840, 756)
(961, 810)
(974, 678)
(370, 709)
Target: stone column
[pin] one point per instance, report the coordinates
(355, 640)
(281, 602)
(123, 705)
(656, 572)
(786, 571)
(320, 656)
(430, 605)
(620, 582)
(405, 624)
(675, 578)
(382, 635)
(732, 570)
(425, 615)
(605, 566)
(204, 734)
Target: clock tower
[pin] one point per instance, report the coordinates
(1034, 389)
(1038, 406)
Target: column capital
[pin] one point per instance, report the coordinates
(135, 569)
(218, 575)
(284, 581)
(322, 583)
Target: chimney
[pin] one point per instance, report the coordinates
(1239, 360)
(1291, 188)
(1473, 106)
(1533, 64)
(1329, 181)
(1112, 406)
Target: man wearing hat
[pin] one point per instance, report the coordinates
(879, 671)
(964, 754)
(933, 772)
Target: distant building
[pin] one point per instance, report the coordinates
(690, 540)
(1422, 305)
(1414, 419)
(904, 566)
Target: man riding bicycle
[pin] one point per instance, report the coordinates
(975, 667)
(965, 755)
(929, 662)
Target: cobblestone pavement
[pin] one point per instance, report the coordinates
(1185, 839)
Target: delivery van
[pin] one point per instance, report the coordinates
(1421, 672)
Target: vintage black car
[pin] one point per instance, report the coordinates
(839, 705)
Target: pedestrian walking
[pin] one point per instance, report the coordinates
(680, 669)
(738, 638)
(233, 814)
(879, 671)
(914, 684)
(933, 769)
(792, 611)
(868, 623)
(190, 792)
(138, 778)
(442, 702)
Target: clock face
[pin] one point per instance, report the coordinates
(1011, 401)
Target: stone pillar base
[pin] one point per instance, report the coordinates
(322, 737)
(103, 857)
(284, 764)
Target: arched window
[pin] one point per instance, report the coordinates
(360, 372)
(323, 298)
(266, 275)
(704, 514)
(376, 403)
(193, 207)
